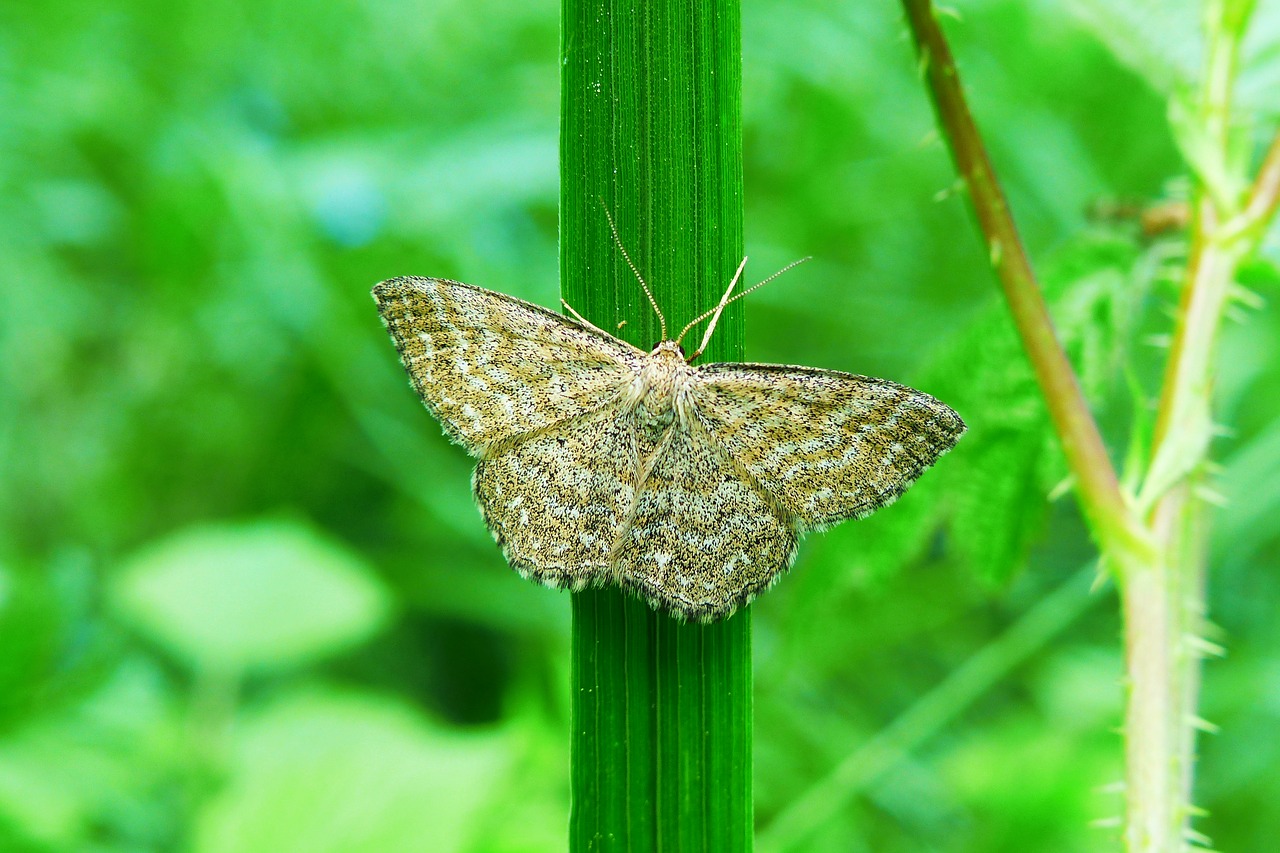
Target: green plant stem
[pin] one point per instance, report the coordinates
(1163, 600)
(1160, 557)
(1164, 605)
(1213, 260)
(651, 131)
(1111, 520)
(1265, 195)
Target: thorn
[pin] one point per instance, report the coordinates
(1203, 725)
(1211, 496)
(1197, 837)
(957, 187)
(1223, 431)
(996, 253)
(1246, 297)
(1100, 579)
(1158, 341)
(1204, 648)
(1106, 823)
(1235, 313)
(929, 138)
(1062, 488)
(939, 9)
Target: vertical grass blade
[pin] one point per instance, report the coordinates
(651, 129)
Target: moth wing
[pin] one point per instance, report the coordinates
(701, 539)
(825, 445)
(556, 501)
(493, 368)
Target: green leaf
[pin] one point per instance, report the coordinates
(1259, 271)
(995, 483)
(250, 597)
(1157, 40)
(335, 774)
(78, 775)
(1251, 481)
(1179, 455)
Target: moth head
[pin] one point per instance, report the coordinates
(669, 350)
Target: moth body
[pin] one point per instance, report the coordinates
(599, 463)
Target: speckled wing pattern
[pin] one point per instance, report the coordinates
(493, 368)
(556, 501)
(600, 463)
(826, 445)
(701, 538)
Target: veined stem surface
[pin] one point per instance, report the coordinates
(651, 130)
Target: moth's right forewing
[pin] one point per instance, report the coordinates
(493, 368)
(827, 445)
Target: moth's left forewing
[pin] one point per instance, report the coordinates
(826, 445)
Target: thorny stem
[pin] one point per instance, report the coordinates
(1110, 517)
(1164, 605)
(1158, 546)
(1212, 252)
(1167, 601)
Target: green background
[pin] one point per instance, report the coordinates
(246, 603)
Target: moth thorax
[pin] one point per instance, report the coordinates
(660, 380)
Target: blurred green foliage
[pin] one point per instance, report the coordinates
(245, 601)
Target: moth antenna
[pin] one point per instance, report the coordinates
(725, 301)
(662, 321)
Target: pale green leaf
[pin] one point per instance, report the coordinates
(346, 774)
(245, 597)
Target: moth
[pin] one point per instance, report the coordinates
(599, 463)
